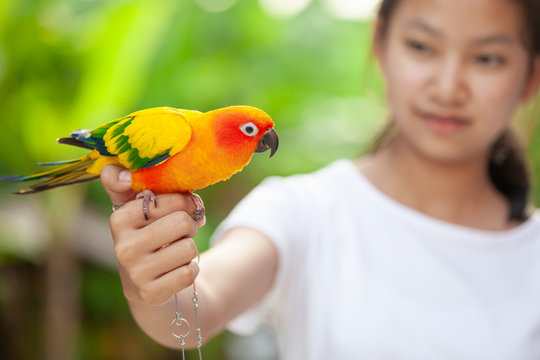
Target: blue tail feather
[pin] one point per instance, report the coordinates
(14, 178)
(62, 162)
(23, 178)
(70, 172)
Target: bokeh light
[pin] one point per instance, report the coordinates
(284, 8)
(352, 9)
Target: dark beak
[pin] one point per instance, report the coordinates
(268, 141)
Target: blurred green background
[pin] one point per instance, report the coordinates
(75, 64)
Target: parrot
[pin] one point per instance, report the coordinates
(166, 150)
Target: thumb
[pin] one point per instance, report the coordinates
(117, 183)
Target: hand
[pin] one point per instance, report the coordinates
(156, 256)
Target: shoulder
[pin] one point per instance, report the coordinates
(337, 175)
(285, 207)
(532, 225)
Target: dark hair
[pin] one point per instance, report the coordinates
(508, 168)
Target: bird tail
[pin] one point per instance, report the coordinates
(69, 172)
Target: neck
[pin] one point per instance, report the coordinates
(456, 192)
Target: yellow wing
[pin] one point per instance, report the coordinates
(145, 138)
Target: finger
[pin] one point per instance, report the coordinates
(167, 230)
(164, 287)
(132, 244)
(129, 288)
(116, 181)
(164, 260)
(131, 213)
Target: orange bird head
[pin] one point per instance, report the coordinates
(244, 129)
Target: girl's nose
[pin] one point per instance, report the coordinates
(449, 83)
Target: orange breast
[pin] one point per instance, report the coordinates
(201, 163)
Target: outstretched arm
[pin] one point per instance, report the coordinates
(155, 259)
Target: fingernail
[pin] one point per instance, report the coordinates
(124, 176)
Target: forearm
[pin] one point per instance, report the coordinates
(155, 258)
(155, 320)
(234, 275)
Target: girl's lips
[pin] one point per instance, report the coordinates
(444, 124)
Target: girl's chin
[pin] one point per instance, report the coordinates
(440, 150)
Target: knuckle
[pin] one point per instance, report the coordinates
(187, 275)
(135, 276)
(150, 295)
(183, 222)
(191, 248)
(185, 216)
(123, 217)
(124, 253)
(130, 294)
(116, 219)
(147, 295)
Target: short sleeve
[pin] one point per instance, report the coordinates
(274, 209)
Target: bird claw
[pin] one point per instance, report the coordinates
(198, 214)
(147, 196)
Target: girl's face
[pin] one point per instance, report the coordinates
(455, 71)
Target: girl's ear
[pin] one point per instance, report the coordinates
(533, 82)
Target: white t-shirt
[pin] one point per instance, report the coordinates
(363, 277)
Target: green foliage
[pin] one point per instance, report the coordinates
(66, 65)
(70, 64)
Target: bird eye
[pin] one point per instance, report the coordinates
(249, 129)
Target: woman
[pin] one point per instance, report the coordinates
(424, 249)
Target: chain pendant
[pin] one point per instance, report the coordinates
(182, 326)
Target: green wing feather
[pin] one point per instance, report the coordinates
(146, 137)
(141, 139)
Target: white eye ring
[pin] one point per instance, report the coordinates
(249, 129)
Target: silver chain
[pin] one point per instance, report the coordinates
(195, 300)
(180, 322)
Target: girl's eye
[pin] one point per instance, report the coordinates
(249, 129)
(489, 60)
(419, 47)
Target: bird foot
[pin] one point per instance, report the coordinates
(147, 196)
(198, 214)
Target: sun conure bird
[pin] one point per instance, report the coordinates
(166, 150)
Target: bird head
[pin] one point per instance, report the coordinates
(245, 129)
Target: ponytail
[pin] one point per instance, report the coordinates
(509, 172)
